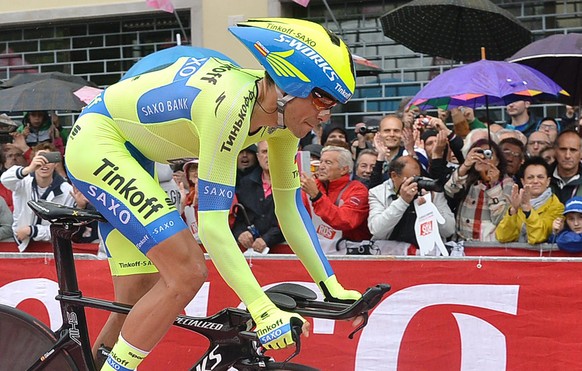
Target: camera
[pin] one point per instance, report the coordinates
(427, 184)
(486, 152)
(367, 129)
(423, 120)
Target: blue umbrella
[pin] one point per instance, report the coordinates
(166, 57)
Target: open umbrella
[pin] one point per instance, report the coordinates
(364, 67)
(560, 58)
(485, 83)
(25, 78)
(41, 95)
(456, 29)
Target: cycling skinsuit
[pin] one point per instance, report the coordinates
(196, 107)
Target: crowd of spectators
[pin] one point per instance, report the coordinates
(520, 181)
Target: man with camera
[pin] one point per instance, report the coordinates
(392, 212)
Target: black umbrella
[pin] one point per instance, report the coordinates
(456, 29)
(25, 78)
(42, 95)
(560, 58)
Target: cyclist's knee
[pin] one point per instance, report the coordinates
(186, 279)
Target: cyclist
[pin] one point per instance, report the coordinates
(211, 109)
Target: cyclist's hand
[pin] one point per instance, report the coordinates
(335, 292)
(273, 326)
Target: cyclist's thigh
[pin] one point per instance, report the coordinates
(119, 181)
(124, 258)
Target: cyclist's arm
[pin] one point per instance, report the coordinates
(219, 150)
(294, 219)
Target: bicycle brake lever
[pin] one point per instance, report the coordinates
(365, 316)
(296, 335)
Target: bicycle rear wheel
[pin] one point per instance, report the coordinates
(23, 339)
(274, 366)
(288, 366)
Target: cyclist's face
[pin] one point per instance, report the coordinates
(302, 116)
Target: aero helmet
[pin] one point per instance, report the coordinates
(300, 56)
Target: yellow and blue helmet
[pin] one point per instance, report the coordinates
(300, 56)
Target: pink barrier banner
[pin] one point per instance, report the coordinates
(440, 314)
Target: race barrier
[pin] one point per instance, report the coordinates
(472, 313)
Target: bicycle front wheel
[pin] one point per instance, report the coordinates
(24, 339)
(274, 366)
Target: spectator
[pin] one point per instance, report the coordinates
(166, 178)
(548, 155)
(533, 208)
(11, 155)
(388, 143)
(35, 181)
(6, 221)
(406, 112)
(189, 196)
(179, 176)
(313, 137)
(569, 236)
(365, 132)
(475, 135)
(37, 127)
(364, 166)
(478, 187)
(551, 127)
(246, 162)
(537, 141)
(392, 213)
(570, 118)
(258, 209)
(566, 175)
(511, 133)
(334, 132)
(338, 205)
(314, 151)
(520, 118)
(514, 153)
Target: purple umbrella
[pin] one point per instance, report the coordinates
(560, 58)
(485, 83)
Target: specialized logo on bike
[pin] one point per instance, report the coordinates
(198, 323)
(273, 332)
(177, 96)
(107, 172)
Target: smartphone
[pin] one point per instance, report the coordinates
(52, 157)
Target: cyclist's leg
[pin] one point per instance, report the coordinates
(130, 280)
(182, 268)
(128, 290)
(113, 177)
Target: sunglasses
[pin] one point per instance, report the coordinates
(321, 101)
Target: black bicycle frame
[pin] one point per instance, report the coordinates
(227, 330)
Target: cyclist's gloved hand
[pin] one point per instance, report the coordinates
(335, 292)
(273, 326)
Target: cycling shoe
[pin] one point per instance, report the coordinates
(334, 291)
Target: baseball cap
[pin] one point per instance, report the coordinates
(573, 205)
(314, 149)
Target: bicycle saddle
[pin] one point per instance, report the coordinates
(60, 214)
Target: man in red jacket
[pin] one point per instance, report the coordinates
(338, 206)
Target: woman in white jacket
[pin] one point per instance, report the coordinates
(36, 181)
